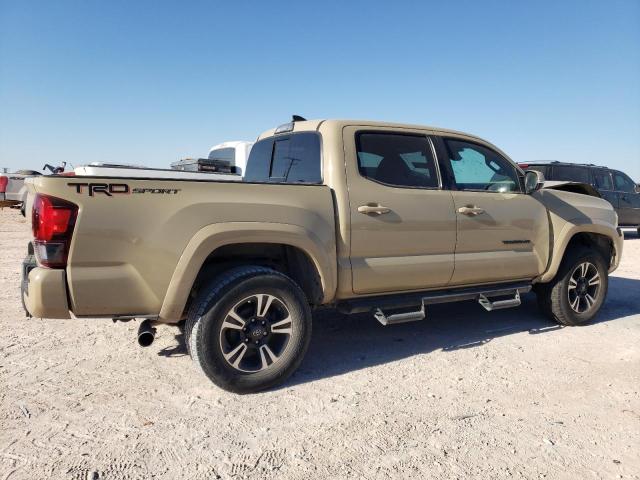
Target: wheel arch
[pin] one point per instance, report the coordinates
(602, 237)
(291, 249)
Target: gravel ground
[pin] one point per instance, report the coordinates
(464, 394)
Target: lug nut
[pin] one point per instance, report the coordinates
(257, 342)
(263, 322)
(264, 334)
(246, 340)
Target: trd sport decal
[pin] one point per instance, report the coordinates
(111, 189)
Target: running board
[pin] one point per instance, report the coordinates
(489, 306)
(415, 299)
(396, 318)
(482, 295)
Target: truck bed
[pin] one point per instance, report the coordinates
(130, 232)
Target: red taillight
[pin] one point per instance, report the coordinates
(52, 222)
(3, 184)
(524, 166)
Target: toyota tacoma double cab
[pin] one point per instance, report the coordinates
(356, 215)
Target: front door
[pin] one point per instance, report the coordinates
(403, 226)
(628, 199)
(502, 232)
(604, 184)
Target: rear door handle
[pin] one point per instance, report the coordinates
(373, 209)
(472, 211)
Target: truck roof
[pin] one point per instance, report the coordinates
(314, 125)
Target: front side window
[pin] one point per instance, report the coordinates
(623, 183)
(395, 159)
(478, 168)
(570, 173)
(603, 180)
(291, 158)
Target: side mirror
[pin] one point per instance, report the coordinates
(637, 189)
(533, 181)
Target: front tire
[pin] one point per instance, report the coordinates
(576, 294)
(249, 329)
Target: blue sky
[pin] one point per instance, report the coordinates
(153, 81)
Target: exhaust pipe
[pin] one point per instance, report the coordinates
(146, 333)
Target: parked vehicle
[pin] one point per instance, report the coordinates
(13, 191)
(99, 169)
(237, 153)
(615, 186)
(361, 216)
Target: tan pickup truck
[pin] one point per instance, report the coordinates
(357, 215)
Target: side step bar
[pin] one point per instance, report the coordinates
(489, 306)
(399, 317)
(414, 299)
(419, 300)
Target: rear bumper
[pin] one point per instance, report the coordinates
(44, 291)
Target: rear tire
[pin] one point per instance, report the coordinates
(578, 290)
(249, 329)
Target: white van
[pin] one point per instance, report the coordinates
(236, 153)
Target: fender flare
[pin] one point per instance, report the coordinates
(210, 238)
(569, 230)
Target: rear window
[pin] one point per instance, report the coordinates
(570, 173)
(291, 158)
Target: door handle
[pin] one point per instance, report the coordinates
(472, 211)
(375, 209)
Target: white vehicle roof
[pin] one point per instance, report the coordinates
(233, 144)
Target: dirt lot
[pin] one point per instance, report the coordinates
(463, 394)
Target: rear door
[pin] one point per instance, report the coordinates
(628, 199)
(503, 233)
(403, 226)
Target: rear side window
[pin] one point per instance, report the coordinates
(396, 159)
(570, 173)
(286, 159)
(602, 180)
